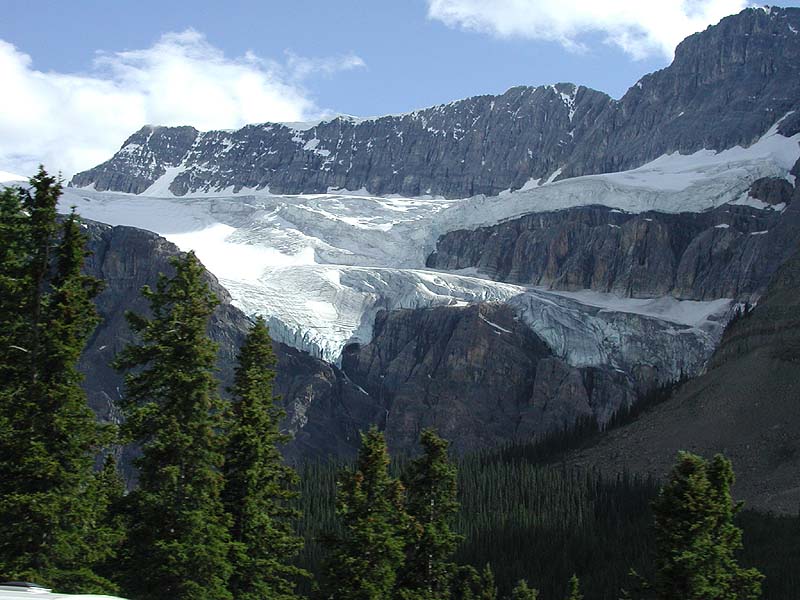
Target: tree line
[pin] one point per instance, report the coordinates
(214, 514)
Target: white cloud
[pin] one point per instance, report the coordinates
(71, 122)
(641, 28)
(301, 66)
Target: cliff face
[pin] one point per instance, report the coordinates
(727, 86)
(480, 145)
(730, 252)
(533, 362)
(478, 375)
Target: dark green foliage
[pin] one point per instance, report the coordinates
(696, 539)
(110, 529)
(522, 591)
(543, 523)
(319, 525)
(466, 584)
(179, 533)
(551, 446)
(367, 553)
(772, 544)
(574, 589)
(51, 507)
(260, 492)
(430, 483)
(469, 584)
(488, 589)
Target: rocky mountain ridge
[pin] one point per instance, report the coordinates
(728, 252)
(727, 86)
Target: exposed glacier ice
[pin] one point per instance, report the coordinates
(320, 266)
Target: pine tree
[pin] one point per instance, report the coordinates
(696, 539)
(365, 557)
(259, 489)
(488, 587)
(574, 589)
(109, 531)
(468, 584)
(178, 544)
(522, 592)
(431, 489)
(48, 435)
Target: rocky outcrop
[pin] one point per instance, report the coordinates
(727, 86)
(772, 190)
(325, 410)
(478, 375)
(144, 157)
(730, 252)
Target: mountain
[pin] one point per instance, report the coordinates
(746, 406)
(552, 254)
(726, 87)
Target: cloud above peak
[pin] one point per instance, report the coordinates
(71, 122)
(641, 29)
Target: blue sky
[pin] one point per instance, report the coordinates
(411, 61)
(95, 70)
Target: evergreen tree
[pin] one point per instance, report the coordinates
(431, 489)
(466, 583)
(365, 557)
(179, 542)
(696, 539)
(574, 589)
(259, 489)
(49, 437)
(488, 586)
(522, 592)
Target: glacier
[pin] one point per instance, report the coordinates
(319, 267)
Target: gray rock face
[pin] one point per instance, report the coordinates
(727, 86)
(478, 375)
(480, 145)
(730, 252)
(772, 190)
(325, 410)
(795, 170)
(143, 158)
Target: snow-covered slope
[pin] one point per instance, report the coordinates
(6, 177)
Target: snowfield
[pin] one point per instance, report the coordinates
(320, 266)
